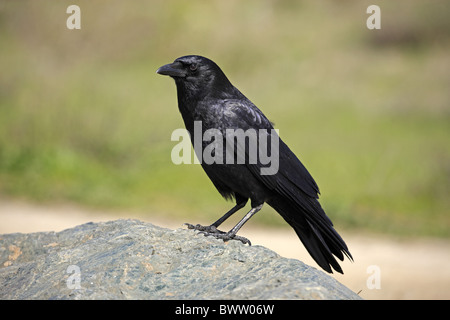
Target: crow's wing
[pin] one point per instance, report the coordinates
(293, 182)
(292, 177)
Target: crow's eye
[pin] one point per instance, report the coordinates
(193, 67)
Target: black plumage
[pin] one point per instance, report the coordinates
(206, 95)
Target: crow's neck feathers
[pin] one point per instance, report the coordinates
(193, 93)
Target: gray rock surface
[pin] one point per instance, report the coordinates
(130, 259)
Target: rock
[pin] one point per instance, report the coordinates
(130, 259)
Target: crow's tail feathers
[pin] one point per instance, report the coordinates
(323, 245)
(316, 232)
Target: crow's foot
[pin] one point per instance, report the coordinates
(218, 234)
(226, 236)
(204, 229)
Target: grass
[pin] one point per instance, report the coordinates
(85, 119)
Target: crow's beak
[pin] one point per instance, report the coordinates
(172, 69)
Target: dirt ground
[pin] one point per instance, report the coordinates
(384, 267)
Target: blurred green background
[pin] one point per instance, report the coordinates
(85, 119)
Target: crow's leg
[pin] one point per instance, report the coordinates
(212, 229)
(240, 203)
(231, 235)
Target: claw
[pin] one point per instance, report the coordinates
(229, 236)
(218, 234)
(196, 227)
(203, 229)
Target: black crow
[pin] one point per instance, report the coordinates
(207, 98)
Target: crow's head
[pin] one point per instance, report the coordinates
(196, 75)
